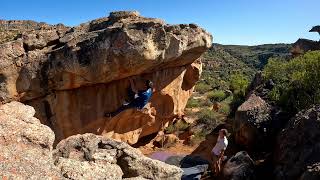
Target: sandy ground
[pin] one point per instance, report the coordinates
(178, 148)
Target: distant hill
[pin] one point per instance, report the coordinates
(257, 56)
(221, 61)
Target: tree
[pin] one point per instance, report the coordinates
(239, 84)
(297, 82)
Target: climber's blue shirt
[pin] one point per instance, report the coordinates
(143, 98)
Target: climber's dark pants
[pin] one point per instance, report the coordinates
(132, 103)
(122, 108)
(131, 95)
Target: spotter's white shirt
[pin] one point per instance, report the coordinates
(221, 144)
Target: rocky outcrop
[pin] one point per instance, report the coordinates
(14, 29)
(73, 76)
(259, 119)
(297, 150)
(25, 145)
(304, 45)
(26, 153)
(239, 167)
(250, 119)
(315, 29)
(95, 157)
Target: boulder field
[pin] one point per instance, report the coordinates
(285, 146)
(26, 152)
(74, 76)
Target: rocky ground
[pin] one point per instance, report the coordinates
(26, 151)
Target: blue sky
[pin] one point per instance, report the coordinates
(245, 22)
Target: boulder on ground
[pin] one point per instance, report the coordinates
(26, 153)
(298, 146)
(91, 156)
(25, 144)
(250, 121)
(239, 167)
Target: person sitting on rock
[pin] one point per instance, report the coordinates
(218, 151)
(140, 98)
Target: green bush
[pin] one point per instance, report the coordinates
(198, 137)
(202, 87)
(207, 116)
(170, 129)
(225, 108)
(178, 126)
(193, 103)
(181, 125)
(239, 83)
(207, 121)
(198, 103)
(297, 82)
(205, 103)
(216, 95)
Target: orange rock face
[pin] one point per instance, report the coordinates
(73, 76)
(82, 110)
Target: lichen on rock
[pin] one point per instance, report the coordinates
(103, 158)
(25, 144)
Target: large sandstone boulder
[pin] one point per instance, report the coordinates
(25, 145)
(95, 157)
(73, 76)
(239, 167)
(298, 146)
(251, 119)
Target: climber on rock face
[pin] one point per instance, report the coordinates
(140, 97)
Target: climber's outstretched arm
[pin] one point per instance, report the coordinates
(133, 87)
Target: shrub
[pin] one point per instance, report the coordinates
(170, 129)
(216, 95)
(207, 116)
(202, 87)
(225, 108)
(297, 82)
(198, 103)
(178, 126)
(181, 125)
(205, 103)
(239, 84)
(193, 103)
(198, 137)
